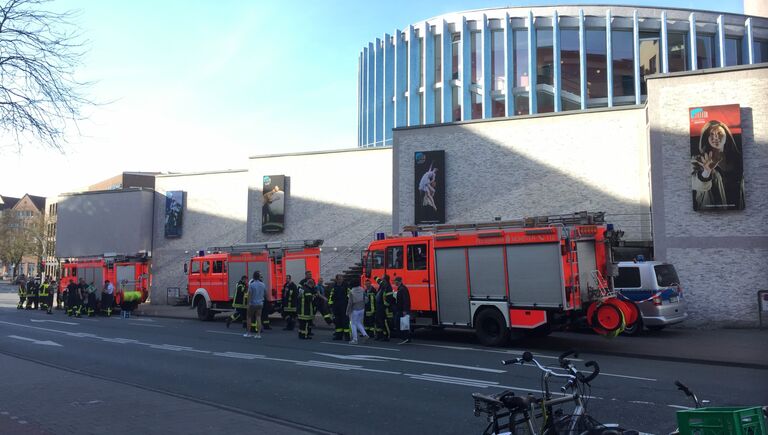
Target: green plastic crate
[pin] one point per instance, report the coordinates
(722, 421)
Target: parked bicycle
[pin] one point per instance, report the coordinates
(508, 413)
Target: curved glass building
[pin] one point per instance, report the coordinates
(509, 62)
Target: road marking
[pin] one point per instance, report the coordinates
(474, 349)
(679, 407)
(44, 343)
(53, 321)
(358, 346)
(142, 324)
(449, 381)
(238, 355)
(460, 379)
(175, 348)
(225, 332)
(383, 358)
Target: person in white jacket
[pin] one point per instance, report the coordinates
(355, 312)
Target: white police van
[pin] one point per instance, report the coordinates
(655, 288)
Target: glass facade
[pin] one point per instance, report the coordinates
(584, 71)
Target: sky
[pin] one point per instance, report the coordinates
(193, 85)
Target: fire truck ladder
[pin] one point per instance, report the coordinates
(577, 218)
(267, 246)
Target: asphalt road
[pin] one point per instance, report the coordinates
(98, 375)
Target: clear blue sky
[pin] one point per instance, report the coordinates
(201, 85)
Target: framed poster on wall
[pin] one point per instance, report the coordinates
(274, 193)
(174, 212)
(717, 175)
(429, 187)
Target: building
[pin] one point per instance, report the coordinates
(26, 221)
(50, 261)
(126, 180)
(507, 62)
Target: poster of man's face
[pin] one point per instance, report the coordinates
(429, 187)
(273, 209)
(717, 163)
(174, 211)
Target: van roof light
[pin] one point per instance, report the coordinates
(639, 259)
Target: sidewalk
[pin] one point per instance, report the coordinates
(732, 347)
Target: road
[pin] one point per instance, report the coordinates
(98, 375)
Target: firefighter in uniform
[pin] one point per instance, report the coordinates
(290, 301)
(73, 299)
(32, 294)
(22, 295)
(46, 296)
(267, 309)
(369, 321)
(240, 302)
(338, 304)
(91, 295)
(306, 309)
(384, 312)
(108, 298)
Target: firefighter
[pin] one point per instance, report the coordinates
(338, 304)
(306, 309)
(60, 296)
(307, 277)
(384, 312)
(290, 301)
(90, 292)
(240, 302)
(22, 294)
(33, 294)
(82, 289)
(369, 321)
(73, 299)
(108, 298)
(46, 296)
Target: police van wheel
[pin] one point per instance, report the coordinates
(491, 328)
(635, 329)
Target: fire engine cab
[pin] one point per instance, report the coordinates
(212, 277)
(507, 279)
(126, 273)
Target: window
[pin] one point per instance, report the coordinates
(438, 44)
(417, 257)
(733, 54)
(477, 106)
(545, 70)
(438, 105)
(206, 266)
(629, 277)
(395, 257)
(377, 259)
(476, 57)
(498, 78)
(456, 103)
(622, 54)
(666, 275)
(455, 48)
(677, 57)
(570, 73)
(195, 267)
(218, 266)
(597, 80)
(650, 57)
(522, 82)
(760, 49)
(705, 51)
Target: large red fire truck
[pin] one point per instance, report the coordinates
(126, 273)
(212, 277)
(509, 278)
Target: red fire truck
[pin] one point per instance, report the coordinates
(124, 272)
(212, 277)
(507, 279)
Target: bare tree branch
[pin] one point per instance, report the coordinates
(39, 53)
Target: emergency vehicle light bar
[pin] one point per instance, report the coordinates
(262, 246)
(577, 218)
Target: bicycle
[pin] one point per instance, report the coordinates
(510, 413)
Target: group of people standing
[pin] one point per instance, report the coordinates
(36, 294)
(355, 311)
(77, 298)
(81, 298)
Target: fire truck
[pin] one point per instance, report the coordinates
(126, 273)
(507, 279)
(212, 277)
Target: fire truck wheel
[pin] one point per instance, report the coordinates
(491, 328)
(634, 329)
(203, 313)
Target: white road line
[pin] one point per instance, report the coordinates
(40, 342)
(415, 361)
(461, 379)
(359, 346)
(679, 407)
(142, 324)
(238, 355)
(474, 349)
(449, 381)
(225, 332)
(53, 321)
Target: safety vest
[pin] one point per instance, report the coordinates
(134, 296)
(370, 303)
(240, 296)
(44, 289)
(289, 298)
(306, 305)
(389, 297)
(22, 290)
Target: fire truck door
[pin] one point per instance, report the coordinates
(263, 268)
(98, 278)
(452, 292)
(535, 274)
(296, 268)
(236, 271)
(486, 273)
(126, 276)
(416, 276)
(585, 251)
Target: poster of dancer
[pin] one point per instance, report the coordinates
(717, 163)
(174, 211)
(274, 193)
(429, 187)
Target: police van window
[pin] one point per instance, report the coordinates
(666, 275)
(629, 277)
(206, 266)
(417, 257)
(395, 257)
(218, 266)
(378, 260)
(195, 267)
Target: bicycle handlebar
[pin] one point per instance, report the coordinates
(573, 374)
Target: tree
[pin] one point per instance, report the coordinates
(39, 53)
(20, 237)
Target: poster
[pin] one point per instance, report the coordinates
(273, 209)
(717, 164)
(429, 187)
(174, 211)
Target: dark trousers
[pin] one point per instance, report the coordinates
(290, 320)
(341, 323)
(305, 328)
(106, 303)
(382, 326)
(265, 312)
(369, 321)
